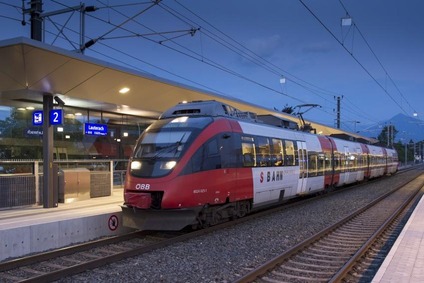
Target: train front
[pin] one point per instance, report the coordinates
(155, 197)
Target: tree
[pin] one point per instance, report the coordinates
(387, 135)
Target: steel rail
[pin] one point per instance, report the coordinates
(278, 260)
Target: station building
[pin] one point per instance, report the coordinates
(38, 78)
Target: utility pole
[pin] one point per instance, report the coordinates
(36, 20)
(390, 135)
(338, 113)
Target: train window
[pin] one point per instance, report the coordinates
(162, 144)
(302, 161)
(207, 157)
(328, 162)
(212, 148)
(336, 161)
(263, 152)
(312, 163)
(248, 151)
(364, 160)
(277, 152)
(320, 163)
(342, 162)
(290, 153)
(354, 160)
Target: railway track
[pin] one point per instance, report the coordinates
(50, 266)
(345, 250)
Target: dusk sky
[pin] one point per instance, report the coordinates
(245, 49)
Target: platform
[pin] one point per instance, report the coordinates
(405, 261)
(28, 230)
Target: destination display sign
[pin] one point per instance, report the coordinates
(95, 129)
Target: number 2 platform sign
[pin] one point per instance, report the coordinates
(56, 117)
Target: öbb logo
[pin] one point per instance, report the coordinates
(273, 176)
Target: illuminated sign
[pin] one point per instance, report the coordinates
(95, 129)
(37, 118)
(56, 117)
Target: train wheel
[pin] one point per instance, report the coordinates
(243, 208)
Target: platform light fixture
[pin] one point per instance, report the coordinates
(124, 90)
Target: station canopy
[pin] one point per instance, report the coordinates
(29, 69)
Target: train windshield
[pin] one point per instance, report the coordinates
(163, 143)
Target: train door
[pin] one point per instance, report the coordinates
(303, 172)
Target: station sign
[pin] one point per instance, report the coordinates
(33, 132)
(37, 118)
(56, 117)
(95, 129)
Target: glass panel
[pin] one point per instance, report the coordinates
(248, 151)
(290, 156)
(277, 152)
(263, 151)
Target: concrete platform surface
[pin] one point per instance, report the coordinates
(405, 261)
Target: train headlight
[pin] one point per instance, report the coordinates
(135, 165)
(169, 165)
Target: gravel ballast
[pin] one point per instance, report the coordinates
(225, 255)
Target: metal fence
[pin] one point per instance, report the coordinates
(21, 181)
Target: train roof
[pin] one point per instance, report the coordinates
(211, 108)
(214, 108)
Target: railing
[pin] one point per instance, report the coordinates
(21, 181)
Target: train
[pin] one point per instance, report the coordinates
(205, 162)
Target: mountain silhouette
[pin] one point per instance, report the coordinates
(409, 128)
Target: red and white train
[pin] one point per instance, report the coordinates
(202, 163)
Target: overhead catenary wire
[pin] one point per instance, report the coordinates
(203, 59)
(241, 49)
(252, 56)
(260, 61)
(376, 57)
(207, 61)
(354, 57)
